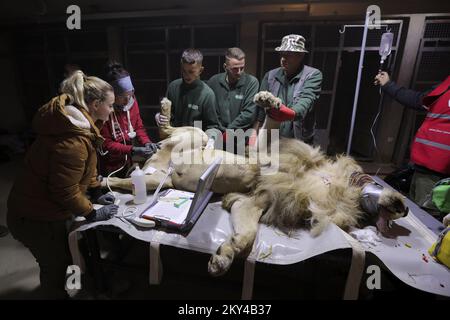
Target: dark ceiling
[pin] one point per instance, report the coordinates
(38, 10)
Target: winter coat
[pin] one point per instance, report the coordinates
(115, 137)
(60, 165)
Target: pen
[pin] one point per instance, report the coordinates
(174, 198)
(179, 204)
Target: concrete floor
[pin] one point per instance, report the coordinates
(19, 271)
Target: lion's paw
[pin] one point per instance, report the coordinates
(219, 265)
(266, 100)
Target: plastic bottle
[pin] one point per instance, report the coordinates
(385, 45)
(139, 188)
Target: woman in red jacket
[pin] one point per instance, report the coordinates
(124, 132)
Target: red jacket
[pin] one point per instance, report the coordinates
(114, 141)
(431, 146)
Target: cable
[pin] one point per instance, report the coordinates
(126, 155)
(107, 178)
(128, 212)
(376, 173)
(375, 121)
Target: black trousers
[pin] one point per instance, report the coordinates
(48, 242)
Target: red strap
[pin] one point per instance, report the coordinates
(253, 138)
(282, 114)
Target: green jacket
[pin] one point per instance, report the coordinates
(193, 102)
(301, 101)
(236, 108)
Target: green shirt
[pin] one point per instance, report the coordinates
(192, 102)
(236, 108)
(309, 94)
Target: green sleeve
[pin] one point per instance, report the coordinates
(261, 114)
(209, 112)
(247, 116)
(310, 93)
(213, 84)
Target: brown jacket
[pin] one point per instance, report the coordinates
(60, 165)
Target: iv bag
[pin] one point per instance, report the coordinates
(386, 45)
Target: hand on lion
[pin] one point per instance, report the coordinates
(276, 110)
(161, 118)
(165, 105)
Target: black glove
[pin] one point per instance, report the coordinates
(97, 196)
(107, 198)
(147, 151)
(153, 146)
(104, 213)
(142, 151)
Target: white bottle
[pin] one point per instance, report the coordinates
(139, 188)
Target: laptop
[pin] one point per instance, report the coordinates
(179, 210)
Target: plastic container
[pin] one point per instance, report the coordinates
(139, 188)
(385, 45)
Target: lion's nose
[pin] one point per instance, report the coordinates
(405, 213)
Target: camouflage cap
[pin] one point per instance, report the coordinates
(292, 43)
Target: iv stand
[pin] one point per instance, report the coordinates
(358, 80)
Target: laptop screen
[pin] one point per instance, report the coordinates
(204, 188)
(179, 213)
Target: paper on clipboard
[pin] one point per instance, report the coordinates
(173, 206)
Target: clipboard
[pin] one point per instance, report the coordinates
(179, 210)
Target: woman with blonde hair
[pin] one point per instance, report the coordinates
(60, 168)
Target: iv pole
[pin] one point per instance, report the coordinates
(358, 80)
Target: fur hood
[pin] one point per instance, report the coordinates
(60, 166)
(59, 118)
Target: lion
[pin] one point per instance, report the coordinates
(308, 189)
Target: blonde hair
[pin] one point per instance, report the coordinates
(82, 89)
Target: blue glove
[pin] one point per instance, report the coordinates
(104, 213)
(107, 198)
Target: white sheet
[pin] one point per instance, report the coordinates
(402, 254)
